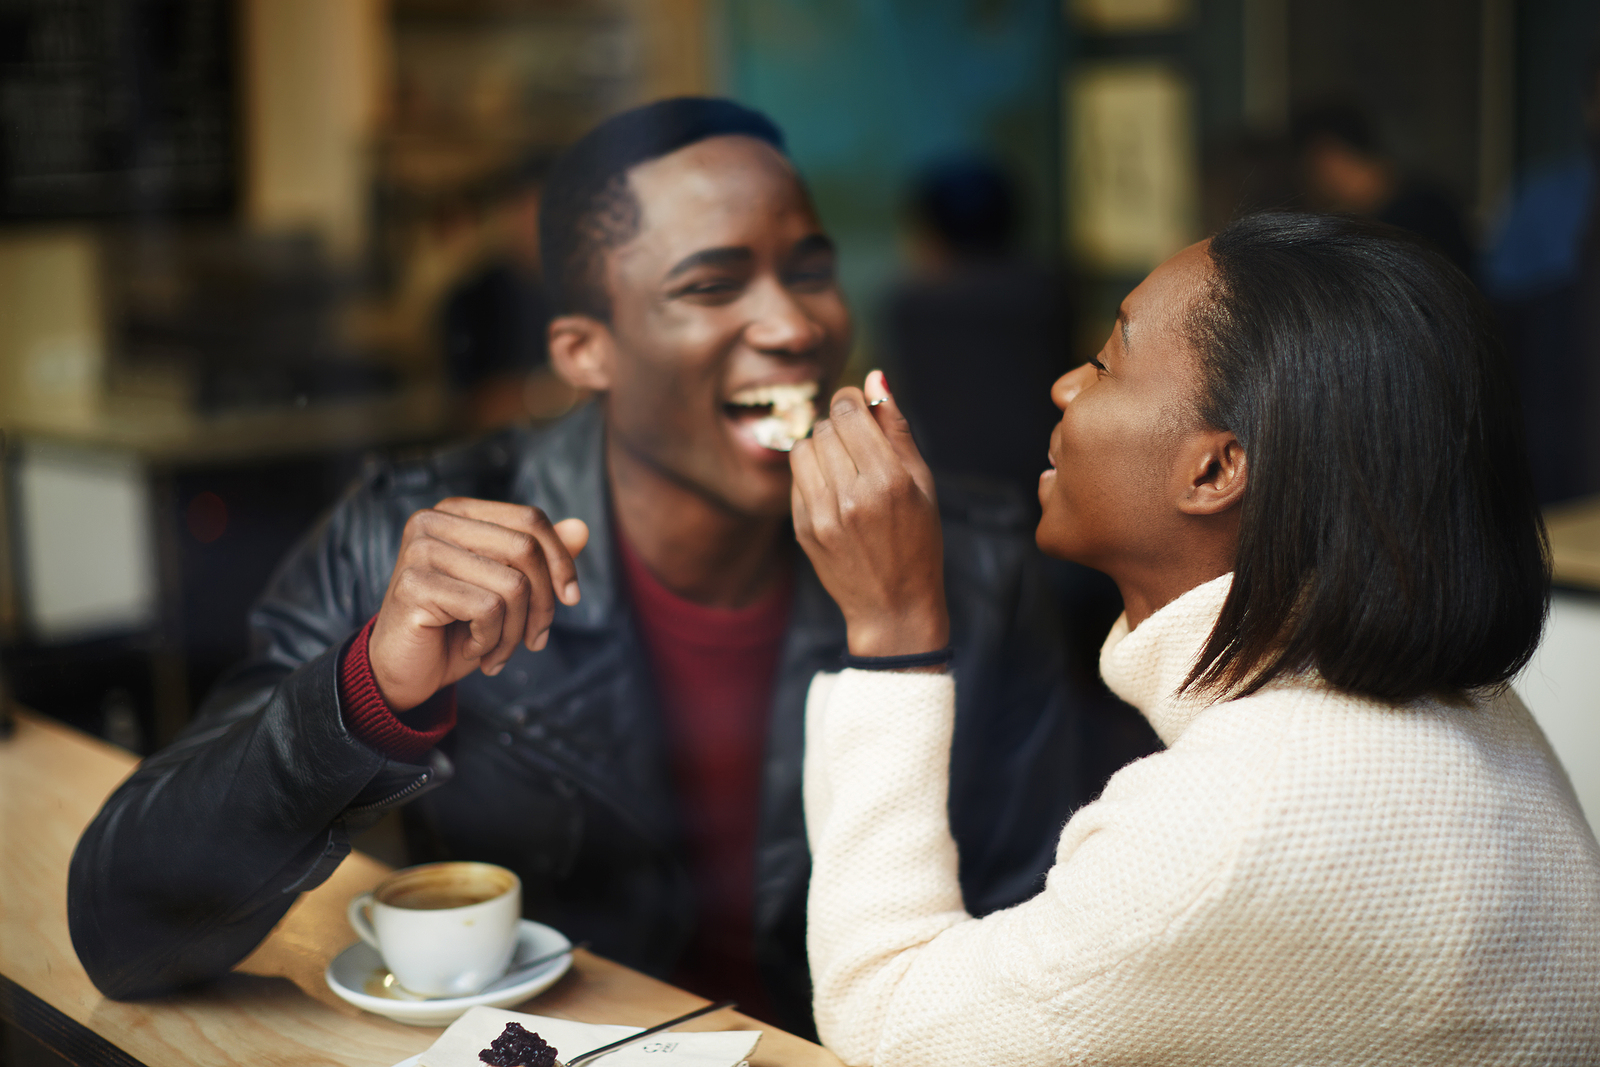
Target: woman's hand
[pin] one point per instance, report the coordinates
(865, 512)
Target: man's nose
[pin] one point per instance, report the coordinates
(1070, 384)
(780, 324)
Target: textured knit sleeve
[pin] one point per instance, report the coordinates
(884, 887)
(904, 975)
(371, 721)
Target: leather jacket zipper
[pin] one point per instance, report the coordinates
(395, 798)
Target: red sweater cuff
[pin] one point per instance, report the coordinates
(367, 715)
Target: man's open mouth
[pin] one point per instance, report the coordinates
(778, 415)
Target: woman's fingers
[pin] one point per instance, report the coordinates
(877, 441)
(833, 454)
(871, 529)
(886, 412)
(812, 497)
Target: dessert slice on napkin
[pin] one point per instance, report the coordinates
(475, 1033)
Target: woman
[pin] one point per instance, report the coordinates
(1299, 457)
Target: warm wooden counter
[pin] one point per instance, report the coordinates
(276, 1009)
(1575, 543)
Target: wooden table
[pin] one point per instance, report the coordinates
(274, 1010)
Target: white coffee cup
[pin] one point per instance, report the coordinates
(443, 929)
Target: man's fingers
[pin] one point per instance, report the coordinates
(527, 606)
(434, 598)
(558, 559)
(574, 533)
(514, 534)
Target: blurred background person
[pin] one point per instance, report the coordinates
(1246, 171)
(976, 327)
(1344, 168)
(1542, 270)
(494, 320)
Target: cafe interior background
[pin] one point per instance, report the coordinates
(229, 231)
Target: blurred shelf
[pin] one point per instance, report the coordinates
(159, 431)
(1575, 543)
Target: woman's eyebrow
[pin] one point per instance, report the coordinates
(731, 256)
(1122, 321)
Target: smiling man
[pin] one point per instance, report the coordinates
(609, 704)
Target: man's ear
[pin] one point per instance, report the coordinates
(583, 352)
(1215, 471)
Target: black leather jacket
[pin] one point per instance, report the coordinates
(557, 766)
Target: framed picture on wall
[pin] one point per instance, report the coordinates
(1129, 16)
(1132, 183)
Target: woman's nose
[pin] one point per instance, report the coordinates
(1070, 384)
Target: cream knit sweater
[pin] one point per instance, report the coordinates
(1302, 877)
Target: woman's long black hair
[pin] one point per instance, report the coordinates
(1390, 537)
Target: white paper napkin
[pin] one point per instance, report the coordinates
(459, 1046)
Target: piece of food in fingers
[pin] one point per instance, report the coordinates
(790, 408)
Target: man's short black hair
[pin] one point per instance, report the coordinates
(1390, 536)
(588, 207)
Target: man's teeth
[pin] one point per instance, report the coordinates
(793, 413)
(780, 396)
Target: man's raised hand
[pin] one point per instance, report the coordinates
(474, 579)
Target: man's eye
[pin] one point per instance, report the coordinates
(811, 277)
(1094, 361)
(716, 287)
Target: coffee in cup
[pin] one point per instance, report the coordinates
(443, 929)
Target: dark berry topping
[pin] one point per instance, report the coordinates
(516, 1047)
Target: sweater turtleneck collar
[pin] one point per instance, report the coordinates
(1146, 667)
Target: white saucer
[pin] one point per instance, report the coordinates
(357, 975)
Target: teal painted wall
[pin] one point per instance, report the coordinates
(868, 91)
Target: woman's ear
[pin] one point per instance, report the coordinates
(582, 351)
(1216, 471)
